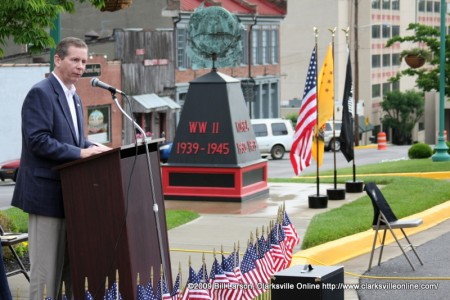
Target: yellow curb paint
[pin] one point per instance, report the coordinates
(432, 175)
(346, 248)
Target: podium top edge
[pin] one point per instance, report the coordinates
(152, 141)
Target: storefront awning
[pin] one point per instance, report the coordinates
(148, 103)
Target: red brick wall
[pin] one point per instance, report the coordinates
(260, 70)
(92, 96)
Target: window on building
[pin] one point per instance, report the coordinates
(386, 31)
(182, 58)
(264, 46)
(386, 60)
(256, 59)
(376, 4)
(376, 31)
(99, 123)
(386, 4)
(376, 90)
(429, 6)
(396, 59)
(395, 4)
(376, 61)
(437, 6)
(244, 40)
(274, 46)
(395, 30)
(421, 5)
(386, 88)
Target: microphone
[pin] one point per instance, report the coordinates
(95, 82)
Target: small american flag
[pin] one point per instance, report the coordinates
(176, 288)
(149, 291)
(291, 238)
(141, 293)
(203, 274)
(300, 154)
(196, 292)
(251, 273)
(87, 296)
(162, 292)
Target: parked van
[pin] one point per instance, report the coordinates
(274, 136)
(332, 142)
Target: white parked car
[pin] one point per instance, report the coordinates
(332, 143)
(274, 136)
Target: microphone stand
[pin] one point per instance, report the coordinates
(152, 185)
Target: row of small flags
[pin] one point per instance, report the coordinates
(229, 279)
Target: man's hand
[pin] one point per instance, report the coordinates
(95, 149)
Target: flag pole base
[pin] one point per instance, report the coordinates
(336, 194)
(354, 186)
(317, 201)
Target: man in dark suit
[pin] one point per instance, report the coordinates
(52, 134)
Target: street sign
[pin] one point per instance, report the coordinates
(92, 70)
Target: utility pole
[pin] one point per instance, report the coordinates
(441, 147)
(356, 97)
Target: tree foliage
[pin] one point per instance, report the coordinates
(428, 76)
(28, 21)
(403, 110)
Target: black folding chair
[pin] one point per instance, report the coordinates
(385, 219)
(9, 239)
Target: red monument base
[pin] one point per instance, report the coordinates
(227, 184)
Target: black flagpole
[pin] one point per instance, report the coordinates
(317, 200)
(334, 193)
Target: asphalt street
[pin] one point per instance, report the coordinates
(363, 156)
(430, 281)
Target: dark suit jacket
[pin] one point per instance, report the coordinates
(48, 140)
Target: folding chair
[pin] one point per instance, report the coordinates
(385, 219)
(9, 239)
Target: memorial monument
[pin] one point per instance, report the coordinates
(214, 156)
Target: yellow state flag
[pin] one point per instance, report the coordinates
(325, 104)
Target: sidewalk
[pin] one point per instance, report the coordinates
(222, 225)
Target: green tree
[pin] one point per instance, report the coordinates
(28, 21)
(403, 110)
(427, 78)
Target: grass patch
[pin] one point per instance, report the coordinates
(19, 219)
(174, 218)
(400, 166)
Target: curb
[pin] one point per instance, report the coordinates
(432, 175)
(346, 248)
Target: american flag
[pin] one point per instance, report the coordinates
(276, 249)
(195, 293)
(162, 292)
(176, 288)
(149, 291)
(113, 293)
(291, 238)
(228, 269)
(203, 274)
(300, 154)
(141, 293)
(265, 257)
(217, 276)
(251, 274)
(87, 296)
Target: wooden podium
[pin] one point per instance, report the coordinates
(111, 224)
